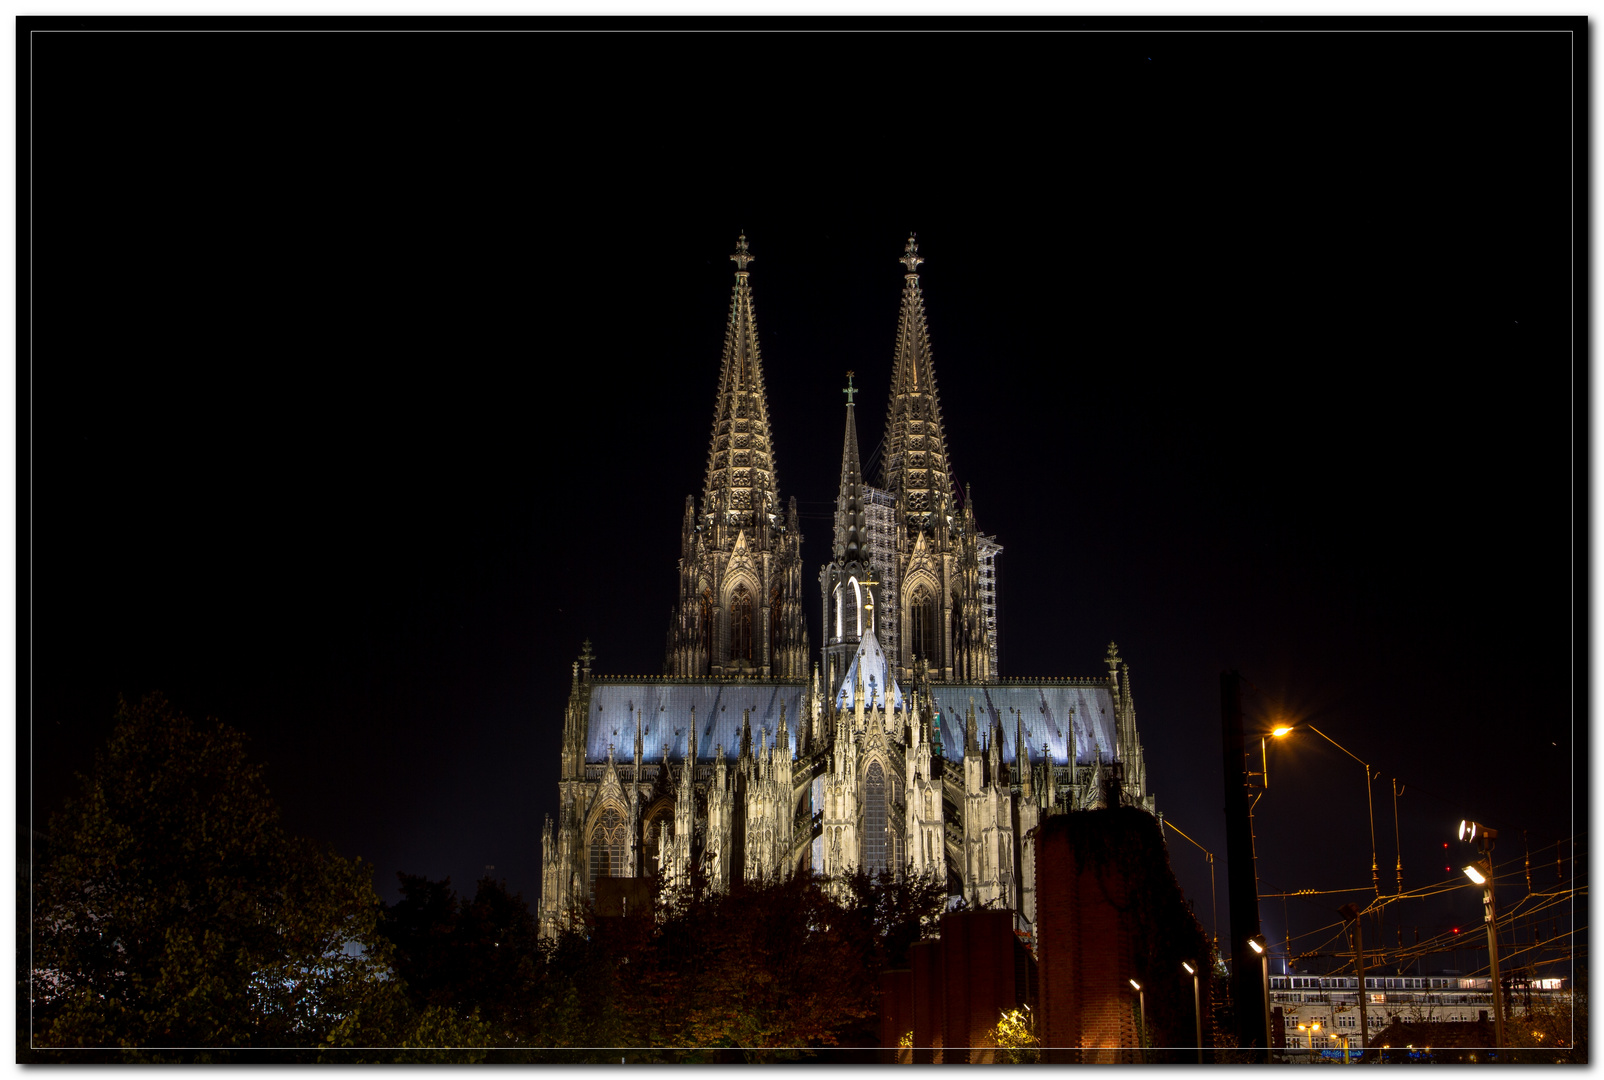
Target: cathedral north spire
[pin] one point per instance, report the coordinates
(740, 557)
(741, 482)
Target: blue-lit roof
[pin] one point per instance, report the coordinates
(666, 715)
(1055, 713)
(875, 676)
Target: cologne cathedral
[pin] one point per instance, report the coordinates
(898, 748)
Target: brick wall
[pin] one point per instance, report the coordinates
(1115, 915)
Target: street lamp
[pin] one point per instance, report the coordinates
(1141, 1005)
(1262, 947)
(1313, 1028)
(1481, 873)
(1197, 1009)
(1375, 873)
(1281, 731)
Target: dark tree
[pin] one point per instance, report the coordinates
(178, 921)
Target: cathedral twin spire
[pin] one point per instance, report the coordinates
(739, 609)
(915, 461)
(741, 480)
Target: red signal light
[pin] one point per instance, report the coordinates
(1456, 929)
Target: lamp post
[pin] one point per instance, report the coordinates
(1481, 873)
(1197, 1010)
(1312, 1027)
(1141, 1007)
(1375, 873)
(1350, 914)
(1262, 948)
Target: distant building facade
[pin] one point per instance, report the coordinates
(901, 749)
(1332, 1002)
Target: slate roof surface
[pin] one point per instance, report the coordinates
(875, 676)
(1062, 715)
(666, 714)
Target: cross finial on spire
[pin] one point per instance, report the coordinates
(910, 255)
(1112, 660)
(741, 256)
(850, 390)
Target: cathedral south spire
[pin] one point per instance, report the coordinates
(738, 611)
(915, 466)
(945, 596)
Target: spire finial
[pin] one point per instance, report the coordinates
(910, 255)
(850, 390)
(741, 256)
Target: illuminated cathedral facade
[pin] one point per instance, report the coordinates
(898, 748)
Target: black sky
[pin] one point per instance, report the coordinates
(369, 373)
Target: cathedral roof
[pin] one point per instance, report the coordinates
(1078, 715)
(740, 460)
(665, 706)
(871, 659)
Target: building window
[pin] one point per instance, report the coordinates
(874, 820)
(926, 630)
(774, 625)
(607, 847)
(741, 625)
(707, 630)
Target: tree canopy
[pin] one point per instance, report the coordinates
(178, 920)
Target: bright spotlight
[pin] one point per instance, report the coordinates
(1257, 944)
(1281, 731)
(1134, 984)
(1190, 970)
(1475, 875)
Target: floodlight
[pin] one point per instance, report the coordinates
(1258, 944)
(1280, 731)
(1135, 985)
(1190, 970)
(1475, 875)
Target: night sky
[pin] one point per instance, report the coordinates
(369, 374)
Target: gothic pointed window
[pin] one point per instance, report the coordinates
(838, 613)
(741, 625)
(848, 616)
(875, 847)
(607, 847)
(926, 628)
(774, 626)
(707, 629)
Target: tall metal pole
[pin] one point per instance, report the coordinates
(1351, 914)
(1370, 804)
(1489, 902)
(1247, 993)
